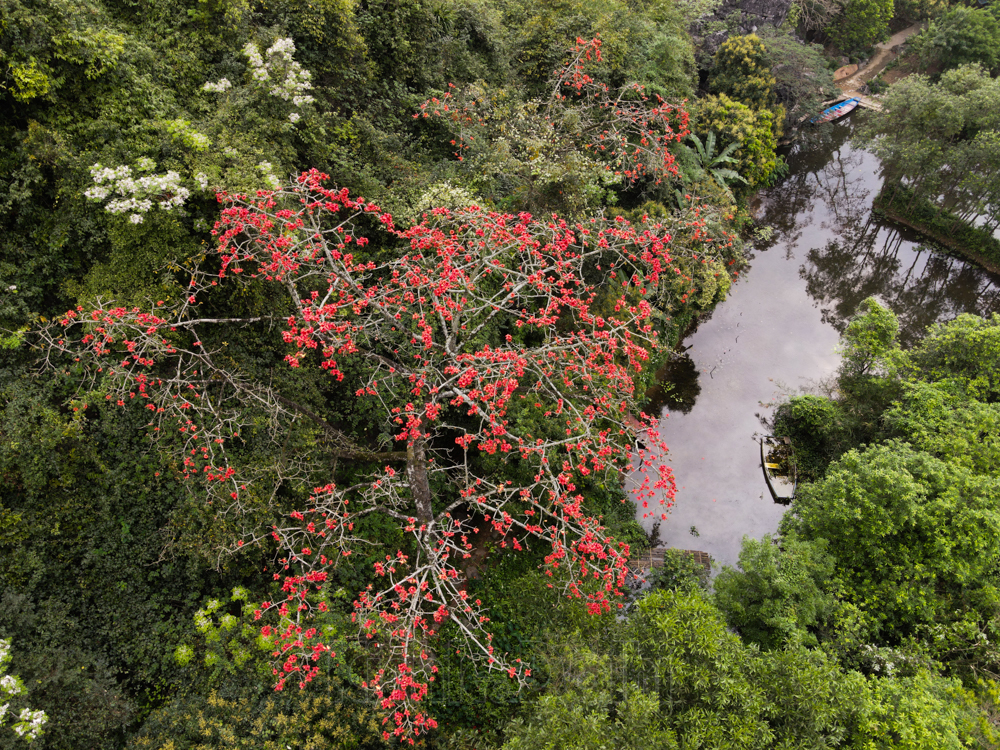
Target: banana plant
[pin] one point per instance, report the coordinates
(702, 162)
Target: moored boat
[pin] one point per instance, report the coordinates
(835, 112)
(778, 462)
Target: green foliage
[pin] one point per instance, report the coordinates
(25, 722)
(14, 340)
(583, 709)
(878, 86)
(721, 693)
(646, 43)
(74, 684)
(919, 10)
(417, 44)
(742, 71)
(964, 353)
(248, 715)
(868, 343)
(779, 595)
(916, 539)
(28, 82)
(702, 163)
(673, 676)
(925, 712)
(942, 420)
(666, 64)
(56, 50)
(862, 24)
(697, 10)
(229, 644)
(820, 429)
(962, 36)
(88, 594)
(735, 122)
(680, 572)
(802, 77)
(679, 642)
(904, 464)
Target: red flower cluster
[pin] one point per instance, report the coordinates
(627, 129)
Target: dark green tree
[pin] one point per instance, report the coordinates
(779, 594)
(861, 25)
(802, 78)
(962, 36)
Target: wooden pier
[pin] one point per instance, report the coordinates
(654, 558)
(863, 100)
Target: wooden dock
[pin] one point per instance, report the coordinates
(654, 558)
(863, 101)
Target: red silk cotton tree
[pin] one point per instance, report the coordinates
(628, 131)
(482, 336)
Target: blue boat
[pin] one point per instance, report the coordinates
(835, 112)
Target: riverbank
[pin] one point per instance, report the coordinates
(940, 226)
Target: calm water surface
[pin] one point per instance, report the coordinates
(776, 335)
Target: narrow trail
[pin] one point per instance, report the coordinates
(885, 53)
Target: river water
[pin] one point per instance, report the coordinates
(776, 335)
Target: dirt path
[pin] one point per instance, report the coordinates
(885, 53)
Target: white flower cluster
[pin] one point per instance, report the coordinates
(202, 621)
(138, 195)
(218, 87)
(269, 177)
(289, 80)
(29, 724)
(256, 62)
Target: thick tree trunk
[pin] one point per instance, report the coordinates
(416, 475)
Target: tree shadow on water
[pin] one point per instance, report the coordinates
(677, 387)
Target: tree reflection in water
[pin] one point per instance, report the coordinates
(830, 192)
(776, 334)
(676, 388)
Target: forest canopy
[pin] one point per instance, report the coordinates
(327, 329)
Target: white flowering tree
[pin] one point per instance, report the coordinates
(137, 189)
(279, 74)
(29, 723)
(130, 191)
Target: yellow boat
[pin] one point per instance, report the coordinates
(778, 462)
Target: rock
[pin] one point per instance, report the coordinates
(764, 11)
(844, 72)
(711, 43)
(750, 15)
